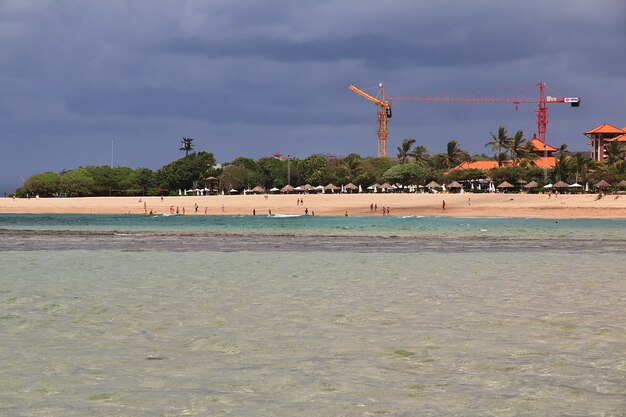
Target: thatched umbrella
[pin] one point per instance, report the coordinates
(386, 187)
(454, 184)
(532, 184)
(520, 181)
(258, 190)
(622, 183)
(287, 189)
(351, 187)
(505, 184)
(331, 187)
(561, 185)
(603, 184)
(432, 184)
(307, 187)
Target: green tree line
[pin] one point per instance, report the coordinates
(411, 165)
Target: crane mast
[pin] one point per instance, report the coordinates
(383, 115)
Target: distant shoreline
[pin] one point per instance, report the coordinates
(457, 205)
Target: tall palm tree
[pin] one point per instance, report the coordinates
(186, 145)
(515, 145)
(404, 150)
(454, 154)
(526, 155)
(498, 143)
(419, 154)
(560, 169)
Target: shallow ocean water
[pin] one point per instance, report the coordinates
(280, 326)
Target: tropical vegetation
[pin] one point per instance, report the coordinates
(412, 165)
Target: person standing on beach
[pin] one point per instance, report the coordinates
(443, 205)
(254, 212)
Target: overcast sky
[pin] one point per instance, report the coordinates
(84, 82)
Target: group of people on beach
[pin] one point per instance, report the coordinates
(374, 208)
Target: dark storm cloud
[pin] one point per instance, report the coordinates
(253, 77)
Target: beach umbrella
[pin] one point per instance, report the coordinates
(575, 185)
(258, 189)
(547, 186)
(432, 184)
(287, 189)
(385, 186)
(561, 184)
(505, 184)
(603, 184)
(622, 183)
(331, 187)
(520, 181)
(273, 190)
(233, 191)
(351, 187)
(454, 184)
(532, 184)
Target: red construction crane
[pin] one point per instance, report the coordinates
(541, 112)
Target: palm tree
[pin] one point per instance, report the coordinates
(404, 150)
(614, 152)
(419, 154)
(516, 144)
(454, 154)
(499, 142)
(526, 155)
(560, 169)
(186, 145)
(353, 165)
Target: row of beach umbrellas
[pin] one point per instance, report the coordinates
(562, 185)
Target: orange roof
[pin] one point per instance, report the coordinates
(605, 128)
(482, 165)
(487, 165)
(538, 145)
(550, 162)
(620, 138)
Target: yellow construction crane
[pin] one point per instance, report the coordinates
(384, 113)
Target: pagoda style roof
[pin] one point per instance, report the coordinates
(538, 146)
(605, 128)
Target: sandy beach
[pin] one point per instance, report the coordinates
(478, 205)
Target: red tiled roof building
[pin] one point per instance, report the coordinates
(600, 135)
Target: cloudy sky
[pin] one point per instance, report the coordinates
(79, 79)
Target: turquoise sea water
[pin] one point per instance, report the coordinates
(317, 225)
(288, 316)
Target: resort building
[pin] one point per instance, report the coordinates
(545, 158)
(600, 136)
